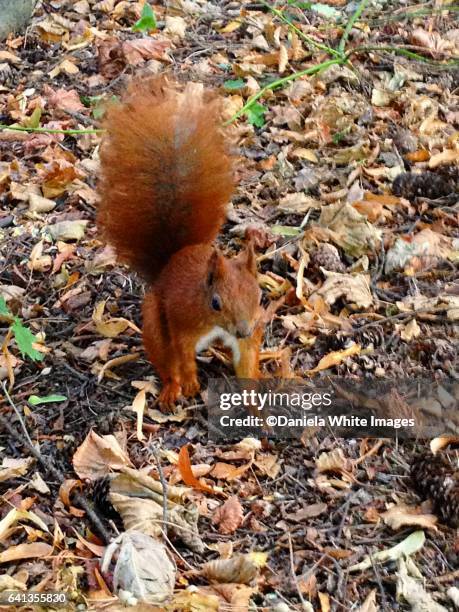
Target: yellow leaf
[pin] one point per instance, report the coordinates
(335, 358)
(231, 27)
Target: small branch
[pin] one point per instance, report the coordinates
(350, 24)
(38, 130)
(18, 414)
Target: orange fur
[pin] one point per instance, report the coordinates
(166, 173)
(166, 179)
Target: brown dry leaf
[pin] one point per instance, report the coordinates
(432, 41)
(184, 466)
(410, 330)
(310, 511)
(110, 327)
(10, 58)
(442, 442)
(399, 515)
(175, 26)
(229, 516)
(448, 156)
(238, 569)
(268, 464)
(64, 99)
(13, 468)
(350, 230)
(226, 471)
(297, 203)
(140, 401)
(194, 601)
(355, 288)
(26, 551)
(324, 602)
(40, 204)
(139, 50)
(335, 358)
(412, 253)
(334, 461)
(39, 262)
(66, 489)
(98, 456)
(369, 605)
(58, 177)
(105, 370)
(232, 596)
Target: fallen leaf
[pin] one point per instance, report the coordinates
(399, 515)
(229, 516)
(98, 455)
(26, 551)
(408, 546)
(239, 569)
(143, 567)
(413, 591)
(335, 358)
(355, 288)
(184, 466)
(68, 230)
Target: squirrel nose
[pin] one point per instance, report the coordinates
(243, 329)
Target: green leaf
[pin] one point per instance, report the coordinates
(147, 20)
(4, 311)
(234, 84)
(24, 339)
(35, 400)
(256, 114)
(286, 230)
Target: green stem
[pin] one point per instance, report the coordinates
(301, 34)
(279, 82)
(19, 128)
(350, 24)
(401, 51)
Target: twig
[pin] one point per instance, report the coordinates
(164, 486)
(18, 414)
(292, 569)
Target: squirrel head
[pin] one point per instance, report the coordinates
(233, 292)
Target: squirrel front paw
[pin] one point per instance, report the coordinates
(191, 387)
(169, 395)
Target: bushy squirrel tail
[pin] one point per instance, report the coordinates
(166, 173)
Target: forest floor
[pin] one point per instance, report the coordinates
(349, 177)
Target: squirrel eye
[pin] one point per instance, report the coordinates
(216, 302)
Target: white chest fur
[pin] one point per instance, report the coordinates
(227, 339)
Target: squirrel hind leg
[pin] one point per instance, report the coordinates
(162, 357)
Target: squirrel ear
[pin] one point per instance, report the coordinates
(215, 268)
(248, 259)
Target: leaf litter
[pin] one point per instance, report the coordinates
(350, 181)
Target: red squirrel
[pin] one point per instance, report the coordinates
(167, 177)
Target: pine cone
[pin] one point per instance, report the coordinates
(101, 491)
(327, 256)
(426, 185)
(436, 478)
